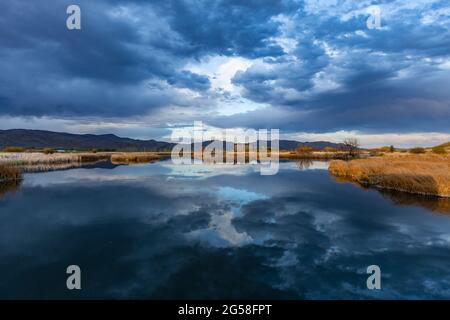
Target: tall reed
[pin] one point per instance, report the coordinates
(8, 173)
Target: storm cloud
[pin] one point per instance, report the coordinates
(310, 65)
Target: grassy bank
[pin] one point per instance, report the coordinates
(136, 157)
(8, 173)
(425, 174)
(38, 161)
(38, 158)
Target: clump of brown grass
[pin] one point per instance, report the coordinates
(422, 174)
(8, 173)
(134, 157)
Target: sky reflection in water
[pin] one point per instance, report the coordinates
(164, 231)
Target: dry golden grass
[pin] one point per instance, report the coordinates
(38, 158)
(8, 173)
(38, 161)
(426, 174)
(135, 157)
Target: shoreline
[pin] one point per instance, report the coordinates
(424, 175)
(27, 161)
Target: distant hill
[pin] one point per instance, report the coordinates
(445, 145)
(317, 145)
(292, 145)
(60, 140)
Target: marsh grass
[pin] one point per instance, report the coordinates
(13, 149)
(38, 158)
(135, 157)
(8, 173)
(39, 162)
(426, 174)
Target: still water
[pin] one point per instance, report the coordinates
(209, 231)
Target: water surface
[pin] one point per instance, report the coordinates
(210, 231)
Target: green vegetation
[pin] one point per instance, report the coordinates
(134, 157)
(375, 153)
(418, 150)
(13, 149)
(48, 151)
(439, 150)
(444, 145)
(384, 149)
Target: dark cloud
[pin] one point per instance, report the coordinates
(385, 80)
(226, 27)
(317, 65)
(102, 69)
(186, 79)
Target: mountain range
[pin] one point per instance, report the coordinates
(59, 140)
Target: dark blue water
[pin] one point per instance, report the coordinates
(164, 231)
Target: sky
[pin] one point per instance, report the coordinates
(314, 69)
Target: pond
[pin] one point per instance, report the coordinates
(165, 231)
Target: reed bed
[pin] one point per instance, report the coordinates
(37, 161)
(425, 174)
(51, 167)
(37, 158)
(135, 157)
(23, 159)
(8, 173)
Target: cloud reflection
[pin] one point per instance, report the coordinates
(297, 234)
